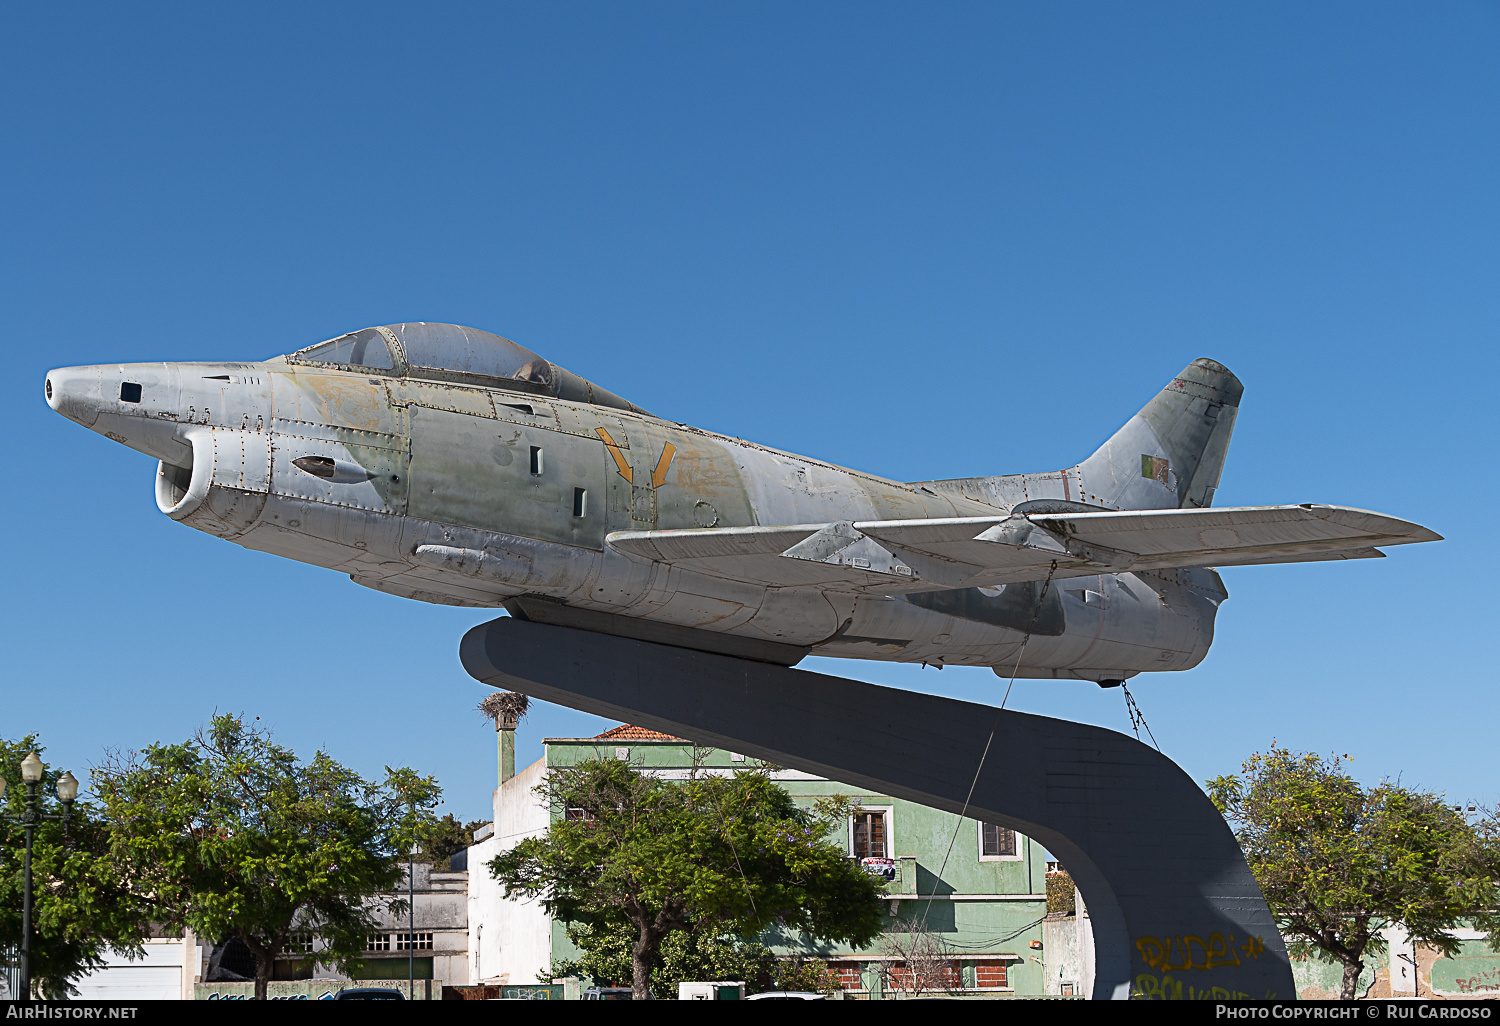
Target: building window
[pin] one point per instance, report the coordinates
(297, 944)
(997, 843)
(869, 835)
(990, 973)
(578, 815)
(378, 942)
(414, 941)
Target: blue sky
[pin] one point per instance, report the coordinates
(919, 240)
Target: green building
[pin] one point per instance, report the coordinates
(980, 888)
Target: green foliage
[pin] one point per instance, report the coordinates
(78, 908)
(811, 975)
(685, 955)
(715, 856)
(1061, 896)
(440, 839)
(1338, 863)
(682, 955)
(230, 835)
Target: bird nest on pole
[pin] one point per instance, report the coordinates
(506, 708)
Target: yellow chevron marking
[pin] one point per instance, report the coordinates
(659, 475)
(614, 450)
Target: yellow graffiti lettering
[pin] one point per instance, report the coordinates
(1151, 951)
(1217, 950)
(1153, 988)
(1187, 950)
(1221, 951)
(1185, 960)
(1165, 988)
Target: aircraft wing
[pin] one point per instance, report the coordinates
(896, 556)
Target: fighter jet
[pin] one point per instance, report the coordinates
(445, 464)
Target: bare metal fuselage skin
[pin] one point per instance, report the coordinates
(452, 492)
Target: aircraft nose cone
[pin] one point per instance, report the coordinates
(76, 393)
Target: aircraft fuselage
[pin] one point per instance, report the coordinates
(457, 493)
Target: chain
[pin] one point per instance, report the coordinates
(1137, 718)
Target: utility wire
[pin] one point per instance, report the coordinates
(1036, 615)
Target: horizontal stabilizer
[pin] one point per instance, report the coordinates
(898, 556)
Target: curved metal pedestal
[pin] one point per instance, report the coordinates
(1175, 910)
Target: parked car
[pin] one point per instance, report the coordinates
(787, 995)
(370, 994)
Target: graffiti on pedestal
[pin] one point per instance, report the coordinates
(1186, 953)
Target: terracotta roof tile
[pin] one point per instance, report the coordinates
(626, 732)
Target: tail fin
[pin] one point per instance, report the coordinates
(1169, 455)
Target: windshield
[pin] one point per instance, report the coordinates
(452, 352)
(365, 348)
(451, 347)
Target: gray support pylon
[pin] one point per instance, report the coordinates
(1174, 908)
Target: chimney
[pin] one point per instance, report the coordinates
(506, 708)
(505, 745)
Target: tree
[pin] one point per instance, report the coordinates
(1062, 895)
(441, 839)
(689, 955)
(1338, 863)
(715, 856)
(809, 975)
(230, 835)
(79, 910)
(920, 961)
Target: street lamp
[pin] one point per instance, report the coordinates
(67, 792)
(411, 908)
(411, 924)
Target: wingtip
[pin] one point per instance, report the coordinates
(1376, 523)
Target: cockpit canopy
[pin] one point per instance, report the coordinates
(451, 352)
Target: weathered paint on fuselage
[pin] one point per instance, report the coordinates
(471, 496)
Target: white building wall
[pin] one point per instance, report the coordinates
(1068, 951)
(1402, 956)
(167, 973)
(484, 937)
(510, 941)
